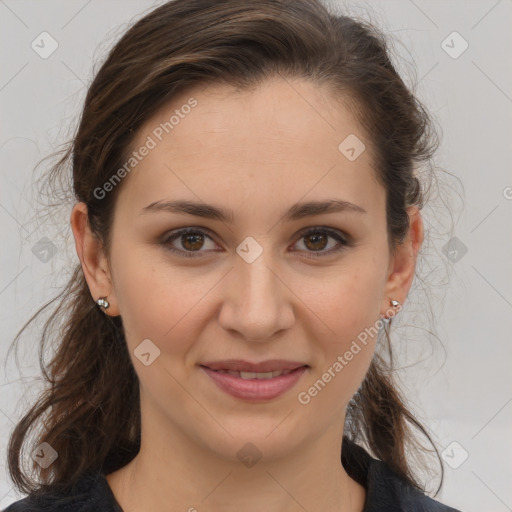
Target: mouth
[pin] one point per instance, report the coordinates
(240, 365)
(256, 386)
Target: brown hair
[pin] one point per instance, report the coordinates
(90, 410)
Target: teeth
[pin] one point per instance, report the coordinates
(255, 375)
(263, 375)
(266, 375)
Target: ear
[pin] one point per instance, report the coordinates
(403, 262)
(94, 262)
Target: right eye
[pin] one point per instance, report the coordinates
(190, 239)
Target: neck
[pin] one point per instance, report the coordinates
(172, 472)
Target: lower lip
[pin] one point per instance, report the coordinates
(255, 389)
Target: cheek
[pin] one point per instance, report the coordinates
(158, 301)
(348, 309)
(162, 304)
(348, 301)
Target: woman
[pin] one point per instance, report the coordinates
(247, 224)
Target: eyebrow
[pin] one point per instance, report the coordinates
(209, 211)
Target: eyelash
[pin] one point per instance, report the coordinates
(170, 237)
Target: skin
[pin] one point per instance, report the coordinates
(257, 152)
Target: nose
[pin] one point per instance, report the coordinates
(256, 303)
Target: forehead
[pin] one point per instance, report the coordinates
(275, 143)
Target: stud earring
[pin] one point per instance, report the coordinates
(394, 304)
(103, 302)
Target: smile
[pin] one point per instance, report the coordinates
(255, 386)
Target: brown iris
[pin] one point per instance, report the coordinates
(319, 241)
(196, 239)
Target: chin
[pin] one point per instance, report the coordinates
(267, 439)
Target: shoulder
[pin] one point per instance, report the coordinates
(385, 490)
(90, 494)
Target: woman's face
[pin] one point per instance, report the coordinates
(254, 286)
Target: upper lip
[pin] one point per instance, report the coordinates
(240, 365)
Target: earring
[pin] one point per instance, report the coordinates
(394, 304)
(103, 302)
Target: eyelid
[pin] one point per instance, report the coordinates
(325, 229)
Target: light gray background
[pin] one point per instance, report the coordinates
(463, 394)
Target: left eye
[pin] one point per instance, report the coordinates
(315, 241)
